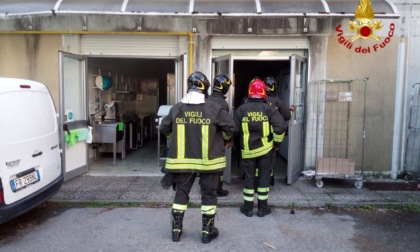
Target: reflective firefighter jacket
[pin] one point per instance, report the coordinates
(220, 99)
(198, 133)
(283, 109)
(261, 128)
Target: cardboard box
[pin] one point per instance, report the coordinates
(335, 166)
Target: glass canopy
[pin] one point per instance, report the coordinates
(10, 8)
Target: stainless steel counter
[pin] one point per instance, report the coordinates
(107, 133)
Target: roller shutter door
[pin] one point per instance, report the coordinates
(130, 45)
(249, 43)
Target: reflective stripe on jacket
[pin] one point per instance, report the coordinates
(198, 132)
(261, 127)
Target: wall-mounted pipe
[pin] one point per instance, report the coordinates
(399, 99)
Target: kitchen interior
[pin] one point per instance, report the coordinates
(140, 89)
(124, 97)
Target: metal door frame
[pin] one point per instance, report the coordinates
(77, 123)
(295, 162)
(227, 174)
(181, 76)
(412, 137)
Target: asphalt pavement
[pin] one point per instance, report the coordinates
(303, 218)
(130, 229)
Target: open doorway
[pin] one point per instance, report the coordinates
(139, 87)
(244, 71)
(292, 92)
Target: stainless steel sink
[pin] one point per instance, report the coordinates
(106, 132)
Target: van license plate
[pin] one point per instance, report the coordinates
(22, 182)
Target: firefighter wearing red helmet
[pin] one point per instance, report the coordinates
(221, 85)
(261, 130)
(198, 130)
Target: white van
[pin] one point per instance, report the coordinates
(30, 153)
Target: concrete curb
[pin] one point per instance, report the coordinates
(303, 193)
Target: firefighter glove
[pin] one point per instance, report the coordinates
(168, 180)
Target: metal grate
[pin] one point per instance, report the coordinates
(340, 129)
(412, 154)
(342, 120)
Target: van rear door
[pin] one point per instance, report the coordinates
(29, 141)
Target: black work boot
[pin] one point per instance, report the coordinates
(210, 232)
(177, 218)
(222, 193)
(263, 208)
(247, 208)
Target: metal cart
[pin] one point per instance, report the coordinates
(340, 131)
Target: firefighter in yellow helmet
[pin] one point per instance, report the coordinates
(221, 85)
(261, 130)
(272, 99)
(286, 112)
(198, 131)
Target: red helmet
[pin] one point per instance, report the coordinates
(257, 89)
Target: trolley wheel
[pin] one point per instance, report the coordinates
(309, 177)
(319, 183)
(358, 184)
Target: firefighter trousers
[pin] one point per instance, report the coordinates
(265, 166)
(208, 184)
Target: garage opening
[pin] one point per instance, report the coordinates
(244, 71)
(139, 87)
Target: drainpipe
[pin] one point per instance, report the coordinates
(399, 99)
(189, 34)
(406, 33)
